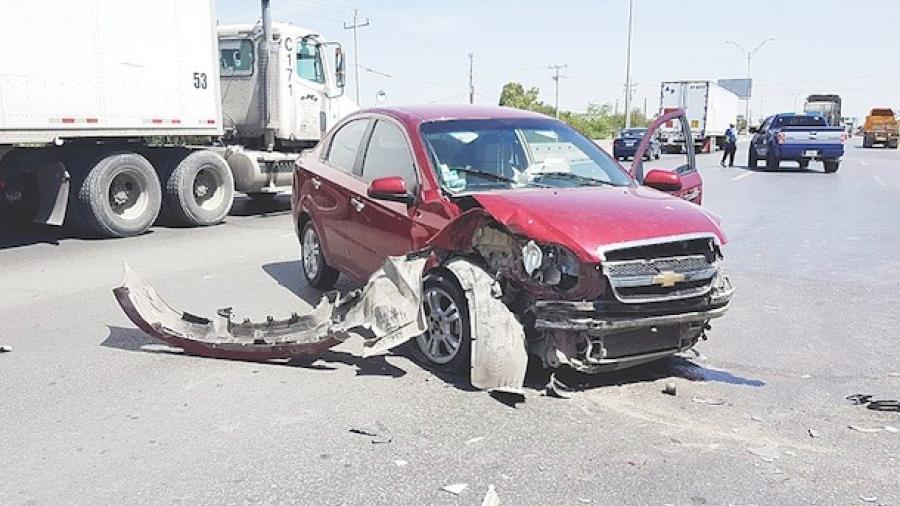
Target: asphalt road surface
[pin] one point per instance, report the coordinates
(93, 412)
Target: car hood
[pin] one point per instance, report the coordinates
(592, 219)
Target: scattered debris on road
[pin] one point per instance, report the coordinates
(710, 401)
(474, 440)
(868, 498)
(670, 388)
(558, 389)
(400, 463)
(379, 434)
(455, 488)
(875, 405)
(885, 428)
(766, 453)
(5, 349)
(490, 497)
(814, 433)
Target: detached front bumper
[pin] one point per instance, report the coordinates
(593, 336)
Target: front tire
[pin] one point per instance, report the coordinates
(772, 163)
(752, 159)
(120, 196)
(200, 191)
(446, 344)
(316, 270)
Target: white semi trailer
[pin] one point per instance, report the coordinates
(137, 109)
(710, 108)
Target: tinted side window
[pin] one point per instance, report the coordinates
(345, 144)
(309, 62)
(389, 155)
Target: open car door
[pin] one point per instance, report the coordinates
(681, 178)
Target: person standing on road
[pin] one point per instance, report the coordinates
(730, 146)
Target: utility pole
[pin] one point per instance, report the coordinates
(355, 26)
(556, 69)
(645, 108)
(471, 78)
(749, 55)
(628, 68)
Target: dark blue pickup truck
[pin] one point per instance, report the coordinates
(799, 138)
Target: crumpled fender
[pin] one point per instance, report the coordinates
(499, 350)
(385, 313)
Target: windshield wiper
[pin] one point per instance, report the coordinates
(572, 175)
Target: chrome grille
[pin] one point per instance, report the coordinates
(663, 278)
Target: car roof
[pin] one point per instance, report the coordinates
(433, 112)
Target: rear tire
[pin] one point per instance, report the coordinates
(831, 166)
(200, 190)
(772, 163)
(447, 342)
(867, 141)
(119, 196)
(316, 270)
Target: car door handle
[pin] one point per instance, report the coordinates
(316, 183)
(357, 204)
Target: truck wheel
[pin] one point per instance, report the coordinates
(200, 190)
(119, 196)
(751, 158)
(772, 163)
(446, 343)
(892, 144)
(316, 270)
(867, 142)
(831, 166)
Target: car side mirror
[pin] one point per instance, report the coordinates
(663, 180)
(753, 130)
(390, 188)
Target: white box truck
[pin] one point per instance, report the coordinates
(141, 107)
(710, 109)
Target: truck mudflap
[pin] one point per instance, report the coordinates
(385, 313)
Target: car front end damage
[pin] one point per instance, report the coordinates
(642, 301)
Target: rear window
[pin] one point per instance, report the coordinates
(800, 121)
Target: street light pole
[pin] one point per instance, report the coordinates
(749, 55)
(355, 27)
(628, 68)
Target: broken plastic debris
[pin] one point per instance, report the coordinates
(490, 497)
(558, 389)
(865, 429)
(805, 376)
(814, 433)
(379, 433)
(756, 418)
(474, 440)
(455, 488)
(704, 400)
(868, 498)
(766, 453)
(5, 349)
(670, 388)
(584, 500)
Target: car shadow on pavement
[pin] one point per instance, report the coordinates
(26, 234)
(272, 206)
(672, 367)
(289, 275)
(779, 170)
(133, 339)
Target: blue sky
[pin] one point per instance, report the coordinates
(820, 47)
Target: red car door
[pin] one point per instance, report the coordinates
(381, 228)
(327, 187)
(686, 168)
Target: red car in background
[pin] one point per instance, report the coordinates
(601, 270)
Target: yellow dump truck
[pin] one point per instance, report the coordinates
(880, 128)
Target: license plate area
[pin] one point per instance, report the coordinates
(811, 153)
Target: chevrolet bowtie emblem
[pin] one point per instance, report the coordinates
(667, 279)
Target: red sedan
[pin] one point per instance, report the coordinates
(602, 272)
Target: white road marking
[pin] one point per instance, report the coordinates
(742, 176)
(879, 181)
(863, 163)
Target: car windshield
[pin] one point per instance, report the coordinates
(495, 154)
(634, 133)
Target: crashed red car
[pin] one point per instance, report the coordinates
(601, 267)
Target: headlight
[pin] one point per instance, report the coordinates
(532, 257)
(551, 264)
